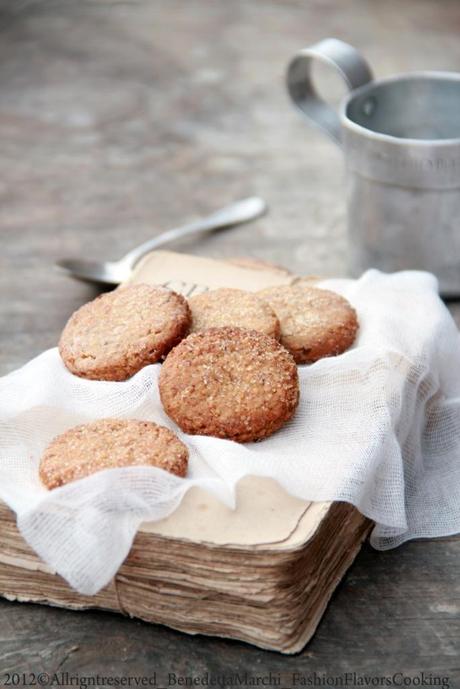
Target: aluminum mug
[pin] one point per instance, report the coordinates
(401, 141)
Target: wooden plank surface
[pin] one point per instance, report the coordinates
(122, 118)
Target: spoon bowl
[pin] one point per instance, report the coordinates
(107, 272)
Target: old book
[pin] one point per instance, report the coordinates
(262, 573)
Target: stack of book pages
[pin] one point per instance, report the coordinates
(262, 573)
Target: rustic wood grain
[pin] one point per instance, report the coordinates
(122, 118)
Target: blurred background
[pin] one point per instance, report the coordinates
(120, 119)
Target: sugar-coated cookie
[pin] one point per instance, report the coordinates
(315, 323)
(120, 332)
(229, 383)
(233, 307)
(108, 444)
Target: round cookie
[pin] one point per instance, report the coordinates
(229, 383)
(108, 444)
(315, 323)
(233, 307)
(257, 264)
(120, 332)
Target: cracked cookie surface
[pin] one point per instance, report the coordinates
(229, 383)
(109, 444)
(120, 332)
(315, 323)
(233, 307)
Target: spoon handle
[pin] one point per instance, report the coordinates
(234, 214)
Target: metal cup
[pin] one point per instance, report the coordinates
(401, 141)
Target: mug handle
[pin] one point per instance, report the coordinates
(346, 60)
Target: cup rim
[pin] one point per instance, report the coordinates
(380, 136)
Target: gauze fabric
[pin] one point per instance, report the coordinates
(378, 426)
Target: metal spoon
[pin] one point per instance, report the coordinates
(114, 272)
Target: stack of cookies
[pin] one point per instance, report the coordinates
(229, 367)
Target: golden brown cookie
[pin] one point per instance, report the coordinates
(230, 383)
(315, 323)
(118, 333)
(257, 264)
(233, 307)
(108, 444)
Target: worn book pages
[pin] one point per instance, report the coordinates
(192, 275)
(270, 594)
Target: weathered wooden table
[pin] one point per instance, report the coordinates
(122, 118)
